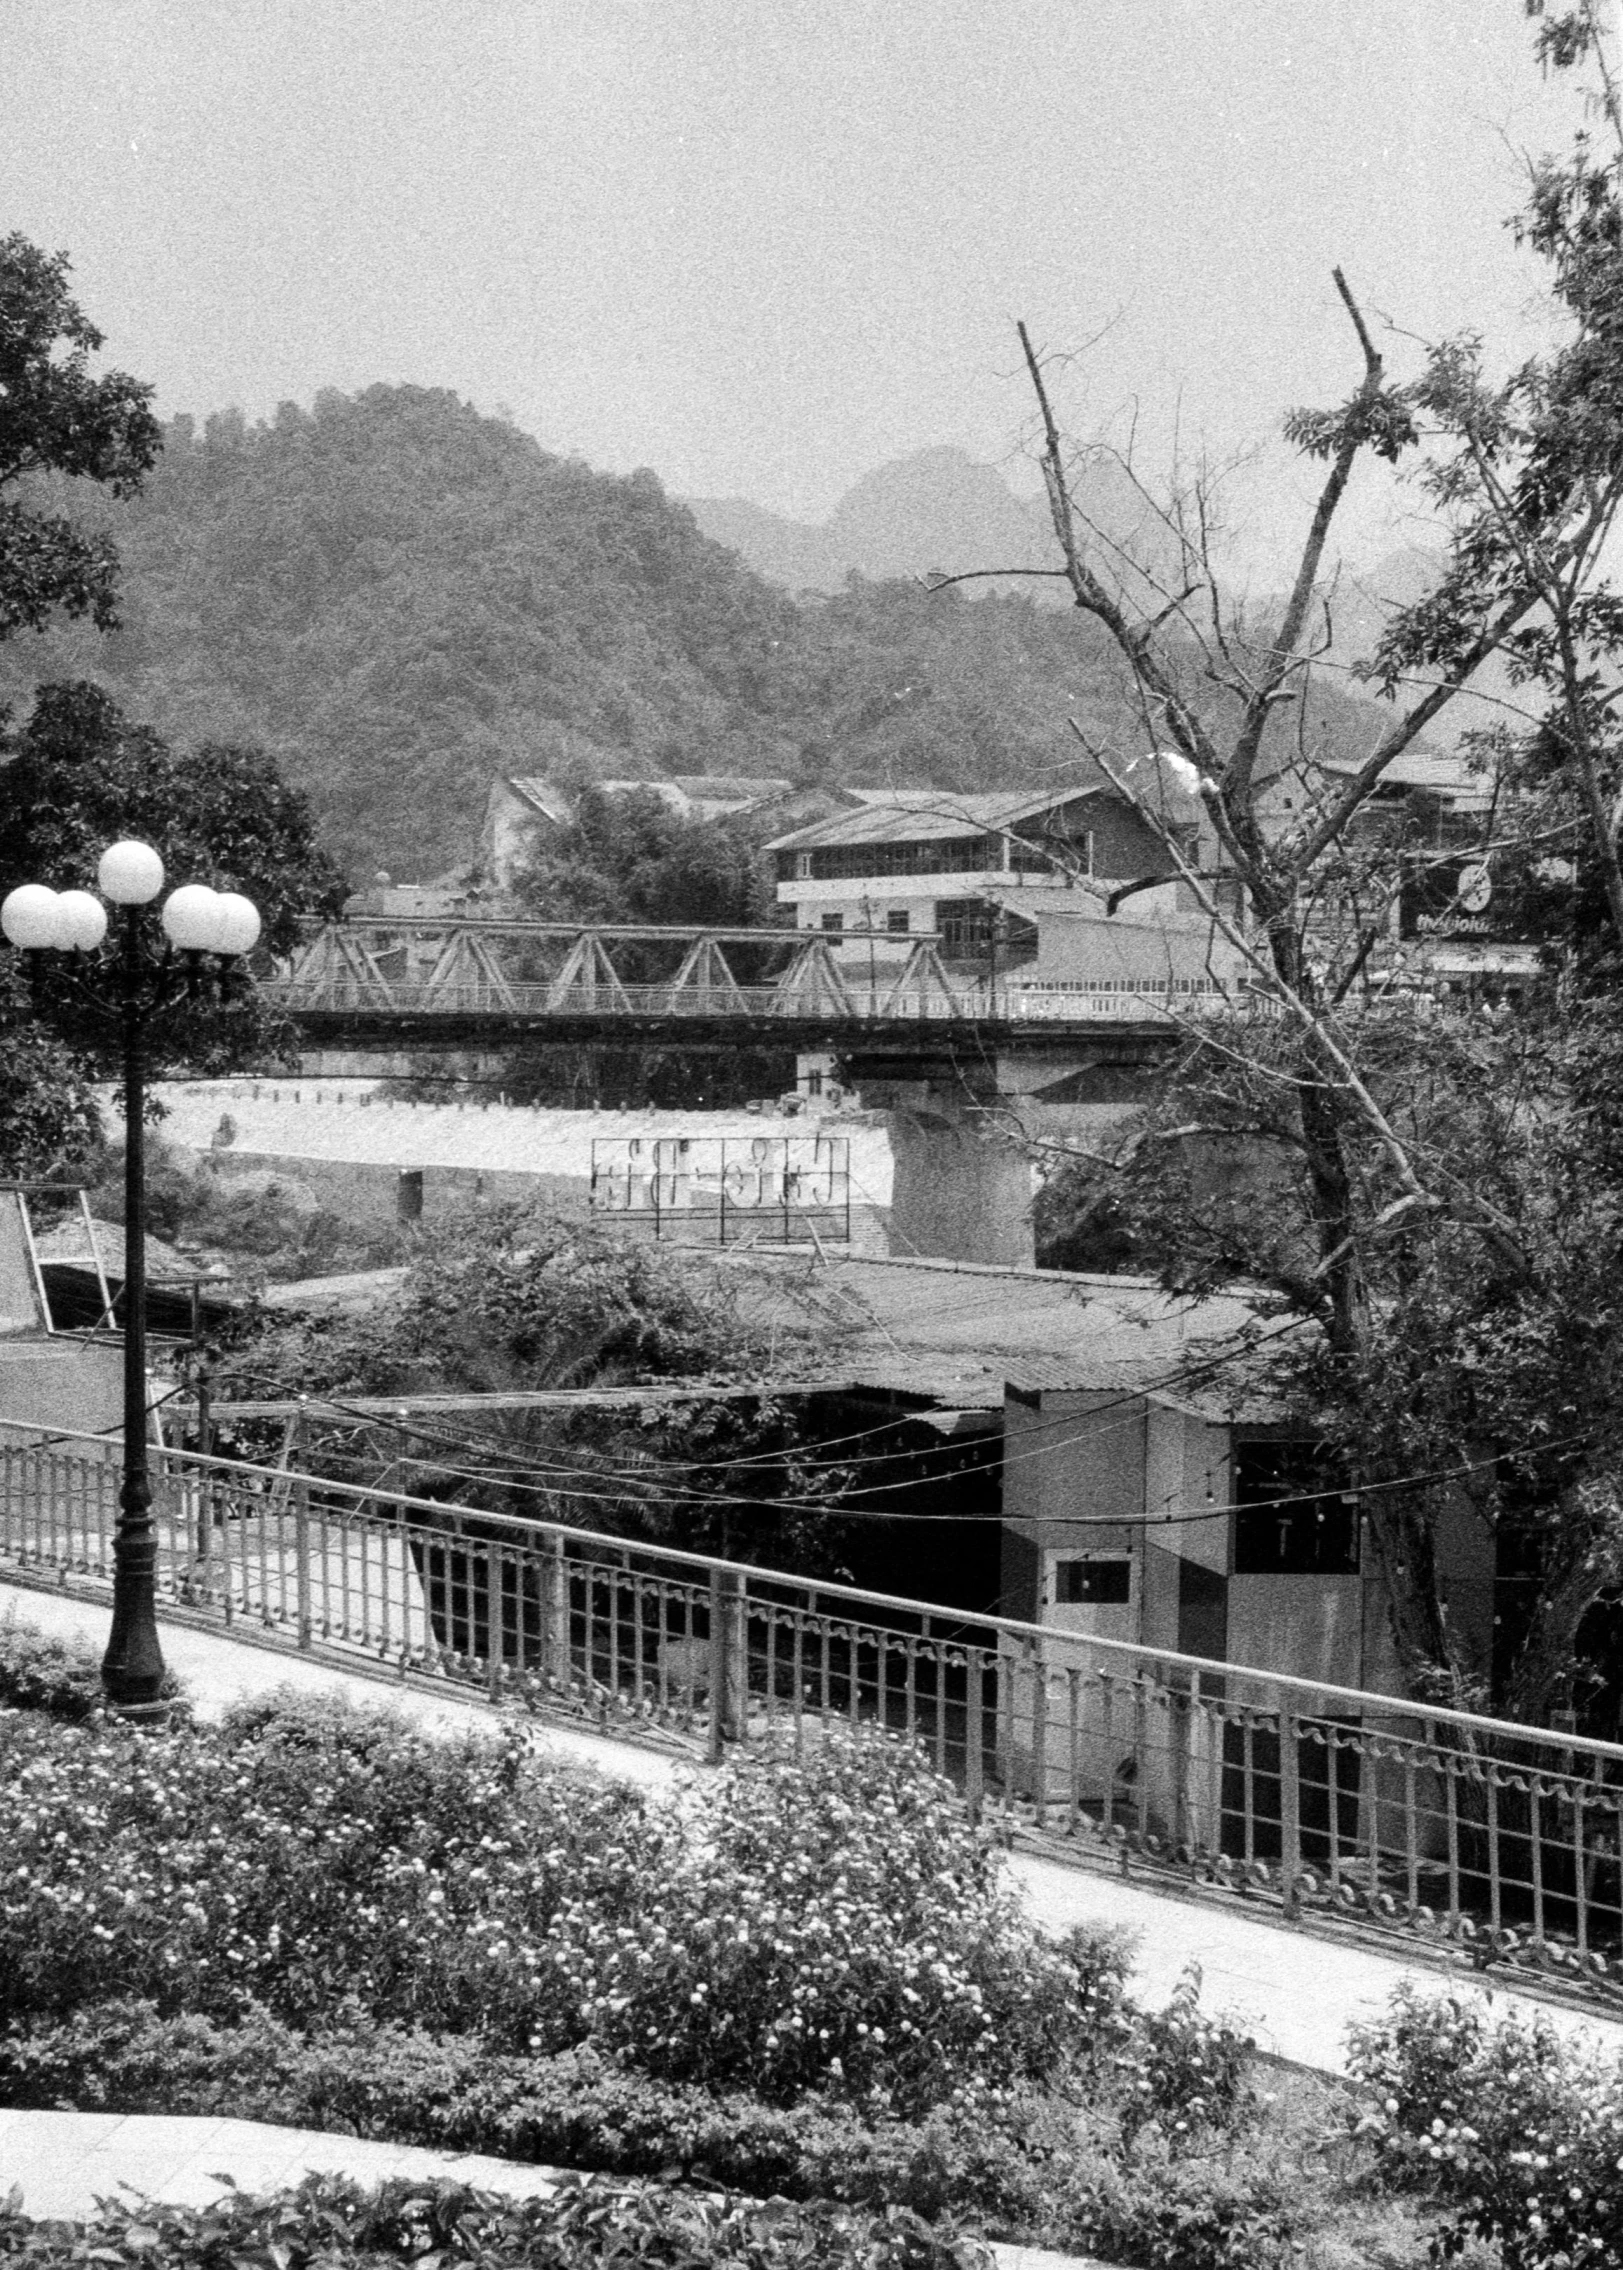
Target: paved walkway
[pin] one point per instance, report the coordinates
(1296, 1989)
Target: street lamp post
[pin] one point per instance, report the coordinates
(205, 934)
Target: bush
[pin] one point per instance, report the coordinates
(832, 1924)
(332, 2222)
(1041, 2171)
(1519, 2131)
(1182, 2069)
(61, 1677)
(321, 1859)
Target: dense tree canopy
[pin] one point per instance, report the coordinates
(399, 597)
(75, 776)
(512, 1298)
(57, 420)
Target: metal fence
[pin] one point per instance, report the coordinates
(857, 1002)
(1500, 1838)
(723, 1190)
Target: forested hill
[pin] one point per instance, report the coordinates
(399, 597)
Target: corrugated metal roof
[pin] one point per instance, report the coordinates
(918, 815)
(729, 788)
(541, 795)
(1432, 769)
(957, 1333)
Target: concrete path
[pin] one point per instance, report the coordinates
(1295, 1990)
(66, 2161)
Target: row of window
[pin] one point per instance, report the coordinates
(950, 855)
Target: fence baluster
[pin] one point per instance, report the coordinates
(1039, 1736)
(1535, 1820)
(1290, 1808)
(1451, 1799)
(1073, 1766)
(974, 1730)
(1495, 1891)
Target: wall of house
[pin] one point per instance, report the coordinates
(366, 1192)
(76, 1386)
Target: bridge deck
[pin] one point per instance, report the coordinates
(439, 985)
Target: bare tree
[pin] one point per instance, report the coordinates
(1526, 474)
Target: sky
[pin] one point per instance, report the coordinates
(764, 246)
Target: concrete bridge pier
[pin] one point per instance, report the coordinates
(961, 1185)
(970, 1140)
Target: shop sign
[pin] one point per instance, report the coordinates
(1454, 898)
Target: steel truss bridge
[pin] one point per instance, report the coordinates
(432, 983)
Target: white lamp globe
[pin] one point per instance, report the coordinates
(191, 917)
(28, 916)
(130, 873)
(238, 931)
(81, 922)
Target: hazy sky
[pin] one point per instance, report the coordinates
(764, 245)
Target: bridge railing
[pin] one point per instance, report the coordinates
(1316, 1799)
(857, 1003)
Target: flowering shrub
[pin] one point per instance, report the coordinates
(833, 1924)
(318, 1900)
(331, 2222)
(1181, 2069)
(1518, 2130)
(400, 2085)
(329, 1860)
(61, 1677)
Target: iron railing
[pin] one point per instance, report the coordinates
(537, 971)
(1502, 1840)
(860, 1003)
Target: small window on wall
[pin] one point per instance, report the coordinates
(897, 919)
(834, 922)
(1290, 1519)
(1093, 1583)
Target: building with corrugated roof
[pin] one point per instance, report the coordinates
(1074, 887)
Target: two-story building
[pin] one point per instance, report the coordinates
(1011, 883)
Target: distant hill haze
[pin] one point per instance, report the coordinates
(401, 598)
(937, 512)
(1363, 602)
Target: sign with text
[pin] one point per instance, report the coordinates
(1455, 898)
(768, 1189)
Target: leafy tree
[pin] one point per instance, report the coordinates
(510, 1298)
(81, 773)
(77, 775)
(631, 858)
(1437, 1195)
(399, 598)
(55, 419)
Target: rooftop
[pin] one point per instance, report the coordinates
(1430, 769)
(911, 814)
(957, 1331)
(890, 815)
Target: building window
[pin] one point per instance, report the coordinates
(1290, 1518)
(834, 922)
(803, 866)
(1093, 1583)
(897, 919)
